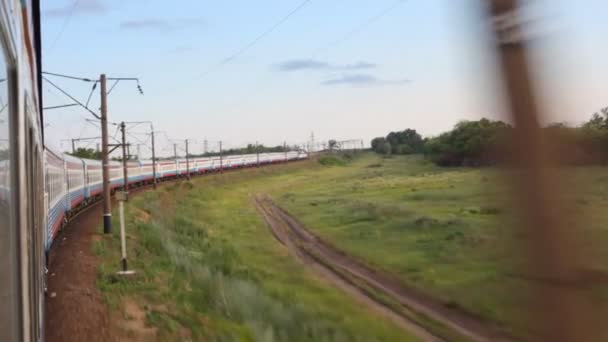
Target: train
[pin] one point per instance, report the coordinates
(72, 184)
(41, 189)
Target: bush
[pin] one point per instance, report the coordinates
(470, 143)
(404, 142)
(332, 160)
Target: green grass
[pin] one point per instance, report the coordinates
(448, 232)
(207, 263)
(206, 254)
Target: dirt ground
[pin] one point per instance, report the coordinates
(75, 310)
(354, 276)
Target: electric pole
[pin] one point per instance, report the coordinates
(285, 149)
(153, 160)
(107, 209)
(187, 161)
(205, 147)
(103, 118)
(73, 146)
(221, 159)
(124, 157)
(257, 153)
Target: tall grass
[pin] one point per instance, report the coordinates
(193, 274)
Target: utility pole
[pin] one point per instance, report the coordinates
(257, 153)
(555, 253)
(285, 149)
(103, 117)
(153, 161)
(175, 157)
(221, 159)
(205, 147)
(124, 157)
(107, 209)
(138, 151)
(187, 161)
(73, 146)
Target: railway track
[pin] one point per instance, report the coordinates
(425, 317)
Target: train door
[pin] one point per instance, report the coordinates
(35, 228)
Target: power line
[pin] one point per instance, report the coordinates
(84, 79)
(359, 28)
(71, 97)
(64, 26)
(91, 93)
(261, 36)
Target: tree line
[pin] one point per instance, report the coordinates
(89, 153)
(485, 142)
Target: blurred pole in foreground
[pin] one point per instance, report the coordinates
(557, 264)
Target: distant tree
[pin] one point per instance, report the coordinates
(87, 153)
(598, 120)
(332, 144)
(385, 148)
(469, 143)
(377, 142)
(406, 142)
(402, 149)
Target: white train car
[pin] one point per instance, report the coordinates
(74, 173)
(56, 194)
(22, 207)
(94, 179)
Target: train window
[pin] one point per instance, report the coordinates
(8, 237)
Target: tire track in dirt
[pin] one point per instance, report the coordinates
(426, 317)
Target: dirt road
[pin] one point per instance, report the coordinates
(424, 316)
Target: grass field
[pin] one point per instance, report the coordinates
(209, 267)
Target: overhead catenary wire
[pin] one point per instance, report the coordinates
(91, 94)
(71, 97)
(257, 39)
(63, 26)
(83, 79)
(359, 28)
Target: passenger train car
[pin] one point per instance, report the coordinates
(72, 183)
(22, 203)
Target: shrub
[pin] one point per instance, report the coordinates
(332, 160)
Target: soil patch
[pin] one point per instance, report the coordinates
(75, 309)
(415, 311)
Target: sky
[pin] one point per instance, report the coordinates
(242, 71)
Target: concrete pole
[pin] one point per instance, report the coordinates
(125, 180)
(221, 159)
(187, 161)
(257, 153)
(153, 160)
(73, 146)
(107, 206)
